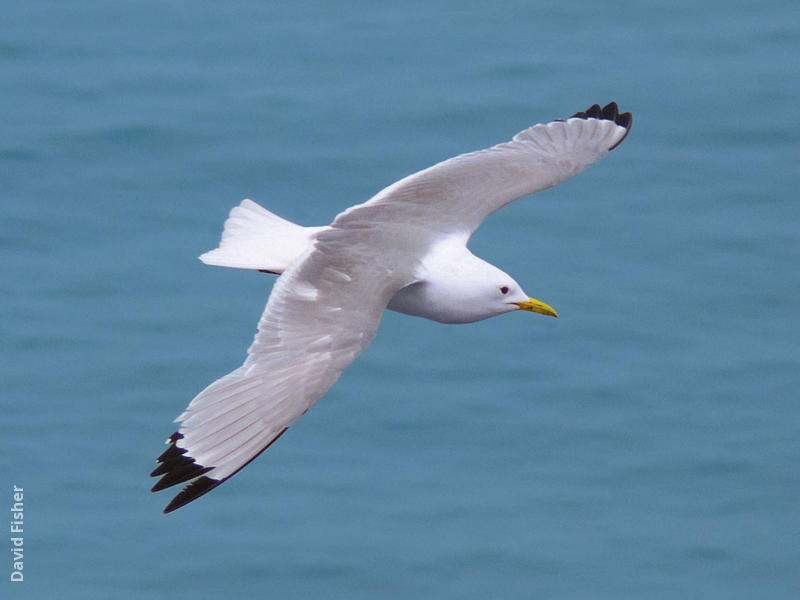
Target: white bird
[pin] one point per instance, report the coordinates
(404, 249)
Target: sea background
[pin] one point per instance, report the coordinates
(644, 445)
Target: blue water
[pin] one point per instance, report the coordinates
(644, 445)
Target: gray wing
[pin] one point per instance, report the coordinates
(456, 196)
(322, 313)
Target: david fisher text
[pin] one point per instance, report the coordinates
(16, 535)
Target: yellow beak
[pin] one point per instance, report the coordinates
(537, 306)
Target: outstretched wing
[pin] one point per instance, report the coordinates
(322, 313)
(456, 196)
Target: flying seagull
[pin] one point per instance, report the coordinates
(405, 249)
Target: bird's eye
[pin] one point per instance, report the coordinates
(504, 289)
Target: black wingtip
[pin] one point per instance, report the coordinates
(177, 468)
(593, 111)
(174, 467)
(191, 492)
(609, 112)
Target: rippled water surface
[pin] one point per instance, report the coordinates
(644, 445)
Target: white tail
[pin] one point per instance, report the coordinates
(254, 238)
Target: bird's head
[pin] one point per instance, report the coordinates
(465, 291)
(498, 294)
